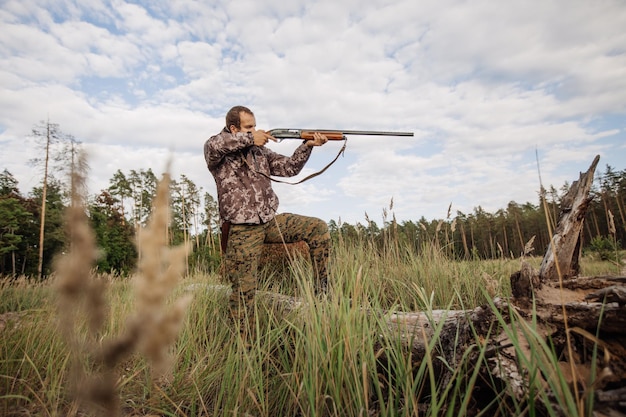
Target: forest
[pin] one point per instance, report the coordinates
(31, 232)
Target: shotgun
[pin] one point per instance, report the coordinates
(307, 134)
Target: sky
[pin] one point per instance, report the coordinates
(502, 96)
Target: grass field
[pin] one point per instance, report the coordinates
(322, 360)
(160, 343)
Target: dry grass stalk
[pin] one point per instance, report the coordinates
(160, 269)
(528, 247)
(151, 330)
(78, 294)
(612, 229)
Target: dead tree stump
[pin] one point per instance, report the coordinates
(578, 314)
(562, 257)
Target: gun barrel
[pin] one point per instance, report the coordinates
(295, 133)
(375, 133)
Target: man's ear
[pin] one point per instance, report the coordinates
(233, 129)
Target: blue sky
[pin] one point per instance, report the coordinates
(486, 86)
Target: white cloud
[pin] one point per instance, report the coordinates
(483, 85)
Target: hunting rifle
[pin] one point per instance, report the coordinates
(307, 134)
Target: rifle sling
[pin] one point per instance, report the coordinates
(341, 151)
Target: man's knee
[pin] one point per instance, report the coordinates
(319, 229)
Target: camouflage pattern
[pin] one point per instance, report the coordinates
(246, 200)
(241, 171)
(245, 243)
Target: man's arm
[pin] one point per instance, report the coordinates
(224, 143)
(283, 166)
(288, 166)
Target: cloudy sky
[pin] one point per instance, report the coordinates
(491, 89)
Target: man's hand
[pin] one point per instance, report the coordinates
(261, 138)
(318, 139)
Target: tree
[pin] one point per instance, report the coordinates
(143, 185)
(68, 160)
(192, 200)
(114, 234)
(186, 202)
(12, 216)
(211, 218)
(120, 187)
(8, 184)
(47, 135)
(53, 229)
(178, 226)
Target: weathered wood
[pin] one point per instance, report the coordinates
(562, 257)
(612, 398)
(585, 312)
(613, 294)
(592, 283)
(555, 291)
(525, 282)
(576, 314)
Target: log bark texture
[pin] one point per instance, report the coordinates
(562, 257)
(583, 315)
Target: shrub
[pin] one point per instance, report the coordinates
(606, 249)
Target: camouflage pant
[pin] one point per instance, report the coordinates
(245, 244)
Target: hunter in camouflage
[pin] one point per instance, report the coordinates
(242, 166)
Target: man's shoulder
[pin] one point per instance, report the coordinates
(221, 133)
(220, 137)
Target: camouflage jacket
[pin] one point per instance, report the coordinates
(241, 171)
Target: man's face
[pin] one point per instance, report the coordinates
(248, 123)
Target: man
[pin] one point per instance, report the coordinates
(241, 166)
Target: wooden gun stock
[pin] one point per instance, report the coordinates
(308, 134)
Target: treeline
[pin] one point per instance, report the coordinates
(32, 233)
(518, 229)
(31, 225)
(117, 215)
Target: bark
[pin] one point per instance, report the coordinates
(581, 313)
(561, 258)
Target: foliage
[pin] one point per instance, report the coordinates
(8, 184)
(114, 235)
(54, 233)
(12, 216)
(606, 249)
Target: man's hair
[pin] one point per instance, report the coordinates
(232, 117)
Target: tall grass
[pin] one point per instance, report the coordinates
(332, 356)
